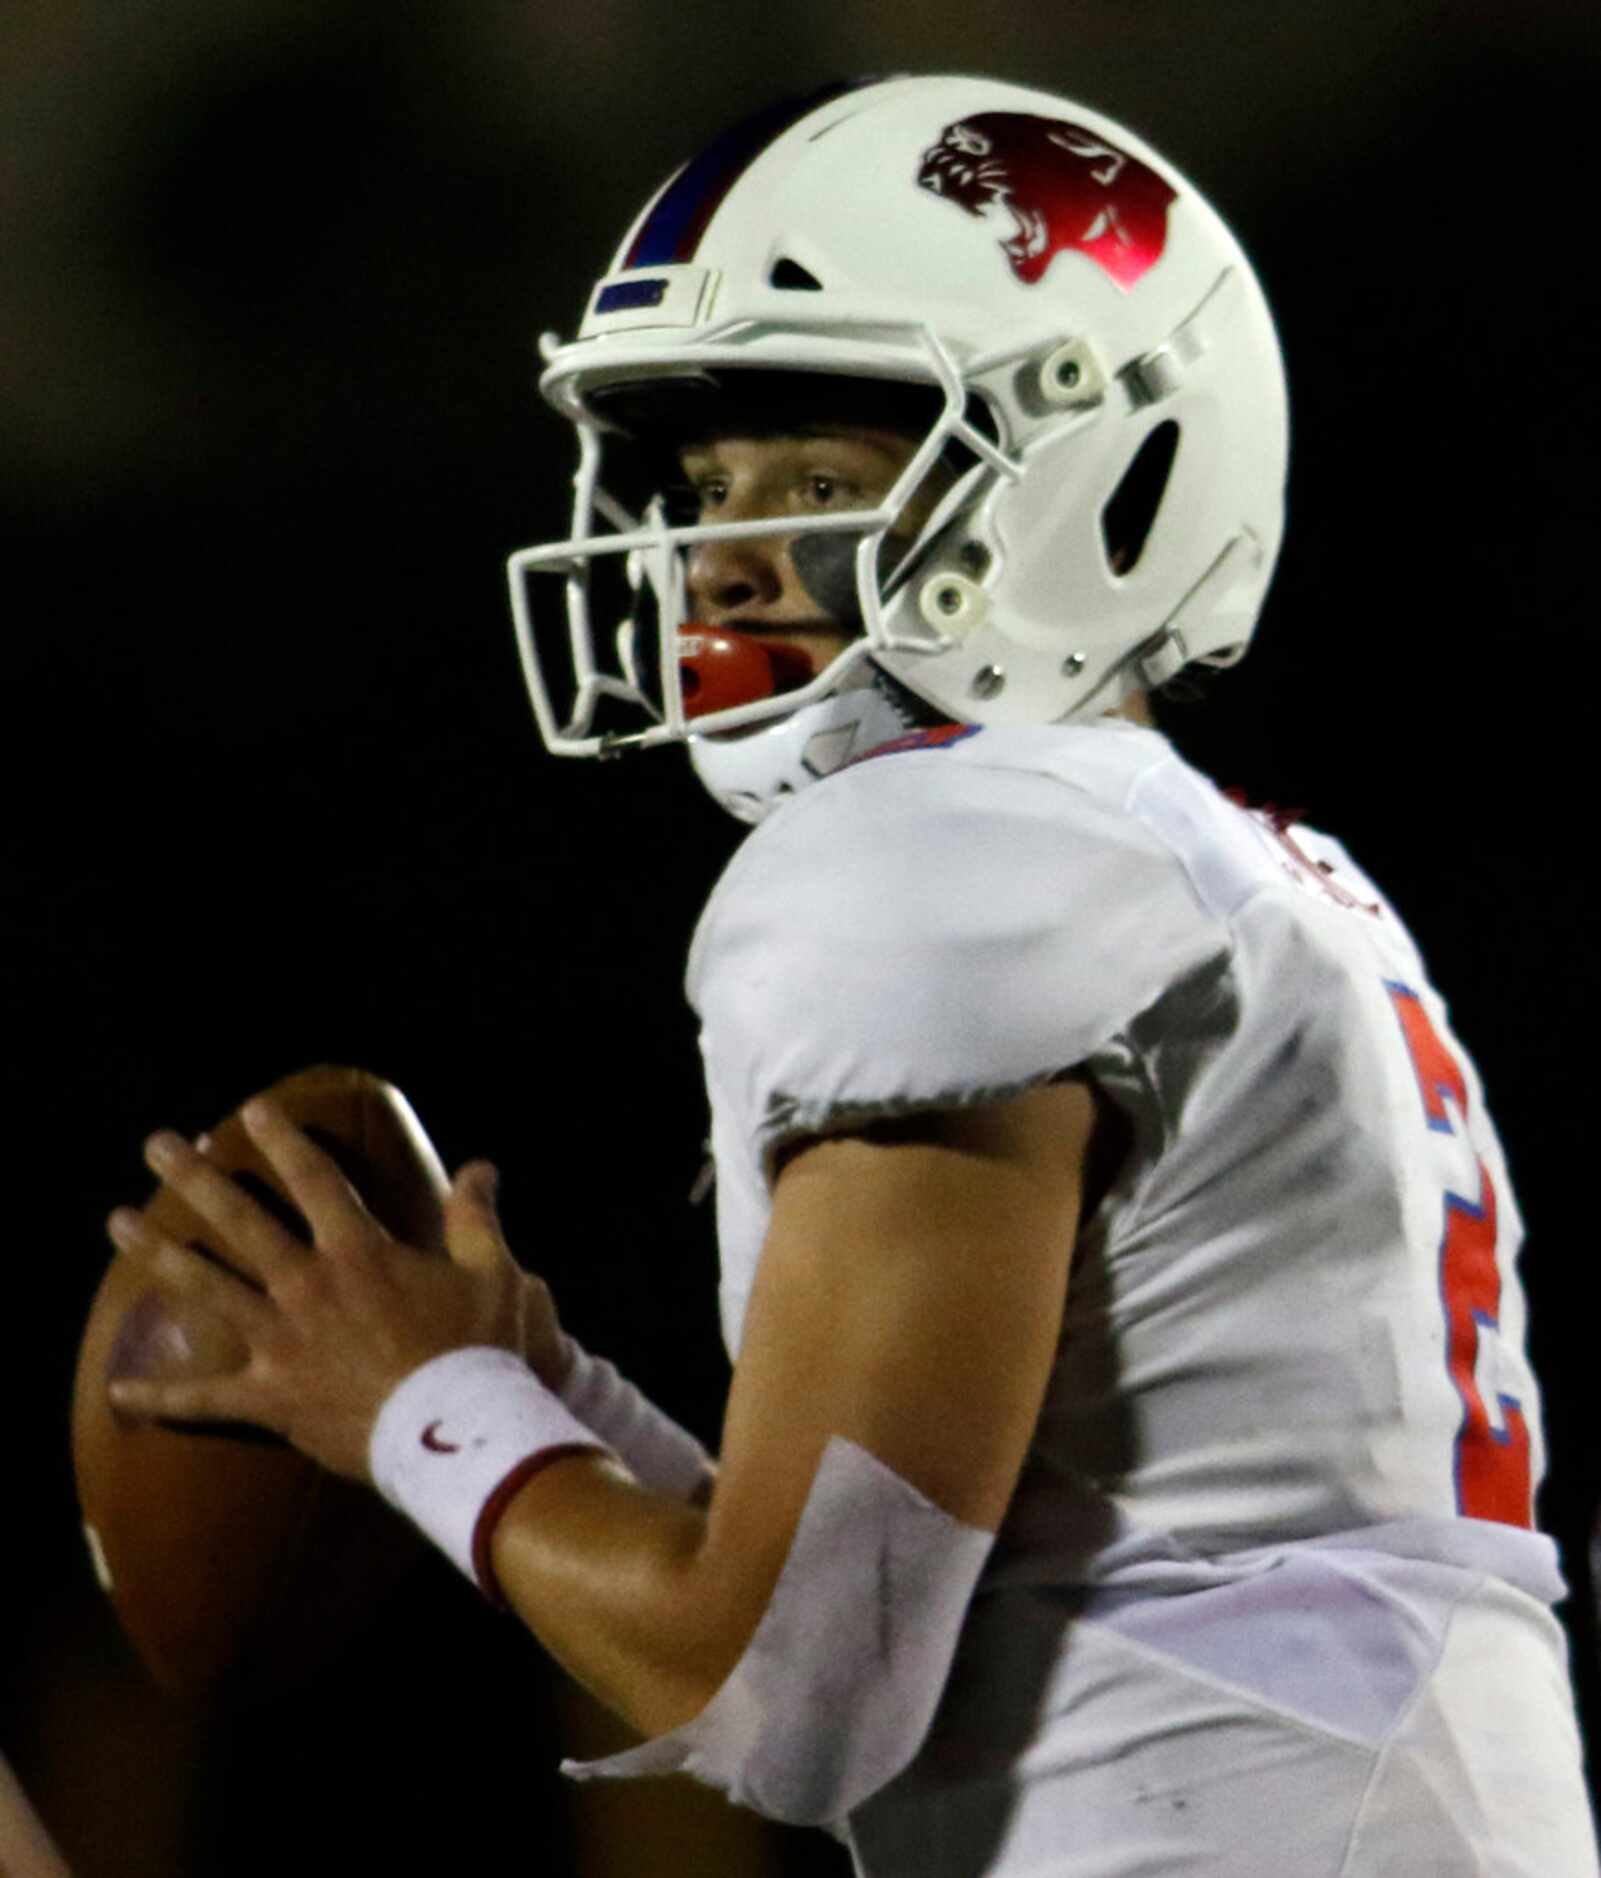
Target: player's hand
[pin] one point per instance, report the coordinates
(333, 1327)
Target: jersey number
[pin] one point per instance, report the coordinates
(1492, 1451)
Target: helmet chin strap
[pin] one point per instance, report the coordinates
(750, 772)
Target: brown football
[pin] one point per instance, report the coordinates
(236, 1566)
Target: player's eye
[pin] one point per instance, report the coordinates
(825, 491)
(689, 501)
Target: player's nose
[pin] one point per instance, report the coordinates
(727, 577)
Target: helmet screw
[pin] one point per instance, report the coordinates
(1071, 375)
(988, 681)
(952, 603)
(1073, 664)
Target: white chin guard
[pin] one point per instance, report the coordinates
(838, 1687)
(750, 772)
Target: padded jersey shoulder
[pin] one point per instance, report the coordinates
(942, 924)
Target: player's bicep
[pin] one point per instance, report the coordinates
(910, 1299)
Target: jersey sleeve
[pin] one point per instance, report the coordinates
(922, 934)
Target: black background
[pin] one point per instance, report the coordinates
(274, 795)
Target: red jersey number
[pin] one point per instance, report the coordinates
(1492, 1444)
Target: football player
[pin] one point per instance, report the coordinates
(1131, 1457)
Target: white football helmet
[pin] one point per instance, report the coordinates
(1097, 360)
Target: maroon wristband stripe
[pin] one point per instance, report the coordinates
(494, 1508)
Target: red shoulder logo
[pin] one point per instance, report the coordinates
(1064, 187)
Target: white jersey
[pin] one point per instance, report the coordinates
(1296, 1314)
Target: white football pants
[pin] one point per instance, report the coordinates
(1316, 1723)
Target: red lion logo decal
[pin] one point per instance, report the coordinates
(1065, 186)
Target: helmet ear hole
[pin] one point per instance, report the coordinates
(1127, 519)
(788, 273)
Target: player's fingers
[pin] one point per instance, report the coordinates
(215, 1399)
(253, 1239)
(337, 1214)
(184, 1271)
(472, 1222)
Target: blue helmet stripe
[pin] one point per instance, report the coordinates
(672, 231)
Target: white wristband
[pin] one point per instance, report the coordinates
(458, 1438)
(659, 1453)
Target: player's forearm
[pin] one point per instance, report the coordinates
(616, 1582)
